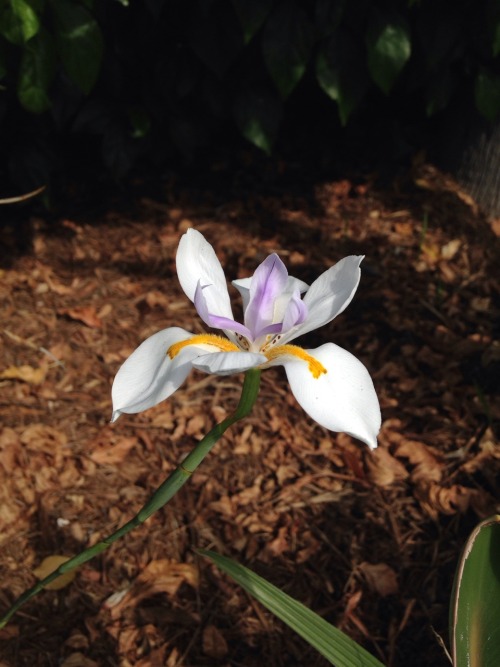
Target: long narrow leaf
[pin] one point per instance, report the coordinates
(475, 614)
(339, 649)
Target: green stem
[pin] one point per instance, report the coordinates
(160, 497)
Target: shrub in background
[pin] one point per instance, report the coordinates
(117, 84)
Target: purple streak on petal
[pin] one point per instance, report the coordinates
(296, 311)
(268, 281)
(216, 321)
(270, 329)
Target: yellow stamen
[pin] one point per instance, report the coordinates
(221, 343)
(315, 367)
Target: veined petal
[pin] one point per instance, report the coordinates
(268, 282)
(343, 398)
(228, 363)
(197, 263)
(243, 287)
(330, 294)
(149, 376)
(295, 313)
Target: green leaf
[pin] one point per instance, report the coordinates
(286, 46)
(493, 23)
(258, 116)
(487, 94)
(389, 47)
(251, 15)
(341, 73)
(3, 60)
(334, 645)
(475, 612)
(496, 39)
(36, 71)
(79, 43)
(19, 20)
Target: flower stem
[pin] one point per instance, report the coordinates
(160, 497)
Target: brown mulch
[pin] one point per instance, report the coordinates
(369, 540)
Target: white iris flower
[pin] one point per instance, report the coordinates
(330, 384)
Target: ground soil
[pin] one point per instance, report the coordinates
(368, 539)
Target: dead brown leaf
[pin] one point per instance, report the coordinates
(489, 450)
(280, 544)
(436, 499)
(384, 469)
(10, 446)
(26, 373)
(427, 465)
(113, 449)
(86, 314)
(78, 660)
(381, 578)
(47, 566)
(44, 438)
(160, 576)
(214, 643)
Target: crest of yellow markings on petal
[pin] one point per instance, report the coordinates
(223, 344)
(315, 367)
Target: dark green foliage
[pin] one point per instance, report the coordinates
(487, 93)
(287, 40)
(258, 116)
(388, 48)
(36, 71)
(79, 43)
(338, 57)
(158, 79)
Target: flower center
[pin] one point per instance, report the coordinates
(223, 344)
(316, 368)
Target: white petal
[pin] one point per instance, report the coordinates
(343, 398)
(149, 376)
(196, 261)
(228, 363)
(330, 294)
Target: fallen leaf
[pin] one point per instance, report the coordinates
(160, 576)
(436, 499)
(78, 660)
(280, 544)
(85, 314)
(381, 578)
(112, 453)
(47, 566)
(427, 466)
(41, 437)
(431, 252)
(25, 373)
(450, 249)
(10, 447)
(384, 469)
(213, 642)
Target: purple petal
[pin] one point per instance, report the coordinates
(268, 282)
(270, 329)
(296, 312)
